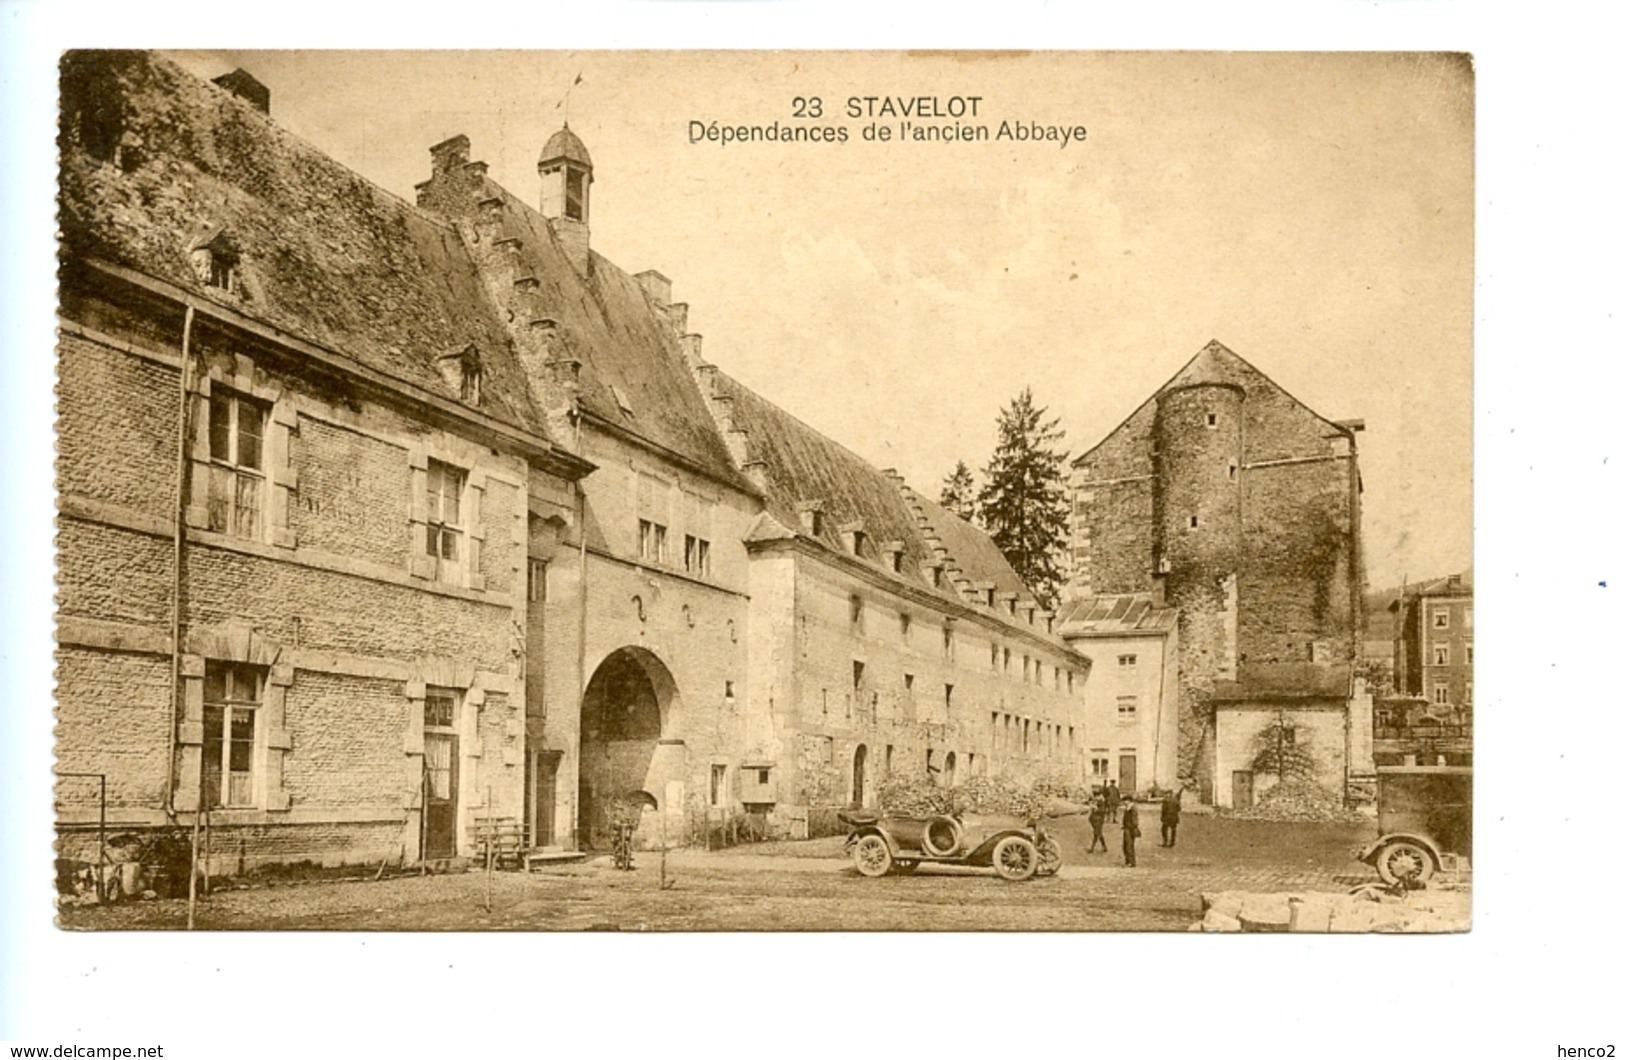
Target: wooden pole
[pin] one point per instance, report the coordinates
(489, 844)
(191, 881)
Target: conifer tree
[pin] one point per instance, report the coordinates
(959, 493)
(1023, 503)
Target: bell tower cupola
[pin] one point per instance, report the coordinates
(566, 171)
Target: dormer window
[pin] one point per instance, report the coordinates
(215, 259)
(462, 372)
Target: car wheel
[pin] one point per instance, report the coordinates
(941, 836)
(1049, 857)
(872, 856)
(1404, 862)
(1015, 858)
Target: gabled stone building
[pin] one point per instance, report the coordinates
(379, 520)
(1232, 503)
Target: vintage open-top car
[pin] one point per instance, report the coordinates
(1015, 848)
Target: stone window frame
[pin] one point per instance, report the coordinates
(1441, 617)
(1131, 714)
(1441, 695)
(467, 573)
(1441, 655)
(237, 373)
(272, 740)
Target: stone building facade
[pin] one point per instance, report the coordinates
(380, 519)
(1429, 718)
(1131, 717)
(1229, 501)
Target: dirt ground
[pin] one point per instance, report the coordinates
(799, 887)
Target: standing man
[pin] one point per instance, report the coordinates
(1131, 830)
(1114, 798)
(1097, 822)
(1170, 817)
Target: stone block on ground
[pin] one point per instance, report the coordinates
(1265, 912)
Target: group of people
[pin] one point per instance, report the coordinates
(1111, 801)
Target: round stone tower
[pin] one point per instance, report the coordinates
(1197, 510)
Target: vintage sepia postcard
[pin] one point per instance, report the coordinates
(765, 491)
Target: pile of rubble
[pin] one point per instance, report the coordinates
(1440, 909)
(1298, 801)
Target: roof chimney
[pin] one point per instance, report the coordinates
(245, 86)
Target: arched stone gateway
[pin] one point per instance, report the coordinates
(625, 717)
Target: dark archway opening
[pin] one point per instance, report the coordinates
(621, 719)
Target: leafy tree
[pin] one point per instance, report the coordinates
(1022, 503)
(959, 493)
(1283, 750)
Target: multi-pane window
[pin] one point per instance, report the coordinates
(1099, 764)
(1441, 618)
(1128, 660)
(439, 728)
(719, 784)
(651, 541)
(231, 700)
(236, 463)
(536, 581)
(1441, 655)
(1128, 708)
(1441, 694)
(444, 540)
(696, 555)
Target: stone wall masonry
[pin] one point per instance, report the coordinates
(354, 493)
(321, 610)
(108, 573)
(123, 455)
(1114, 537)
(346, 734)
(114, 709)
(502, 554)
(1297, 580)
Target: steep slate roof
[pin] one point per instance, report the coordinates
(1115, 614)
(1214, 363)
(325, 255)
(622, 341)
(971, 548)
(803, 465)
(800, 464)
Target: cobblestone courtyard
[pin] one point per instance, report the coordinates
(799, 887)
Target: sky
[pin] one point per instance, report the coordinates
(1313, 212)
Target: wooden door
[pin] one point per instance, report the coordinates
(543, 792)
(1128, 774)
(439, 795)
(1241, 790)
